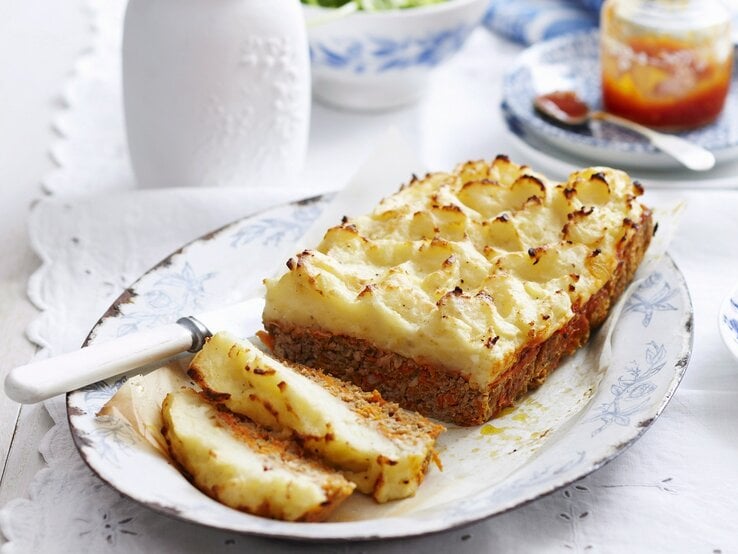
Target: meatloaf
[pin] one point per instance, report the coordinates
(463, 290)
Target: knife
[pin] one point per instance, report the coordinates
(388, 165)
(43, 379)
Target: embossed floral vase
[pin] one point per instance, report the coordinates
(216, 92)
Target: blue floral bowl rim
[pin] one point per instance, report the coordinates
(446, 5)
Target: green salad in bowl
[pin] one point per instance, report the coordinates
(372, 5)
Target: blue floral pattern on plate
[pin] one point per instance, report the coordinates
(177, 291)
(572, 62)
(650, 346)
(273, 231)
(728, 322)
(651, 296)
(632, 391)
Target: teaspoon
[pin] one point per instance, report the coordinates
(567, 108)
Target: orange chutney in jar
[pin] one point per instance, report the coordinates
(663, 66)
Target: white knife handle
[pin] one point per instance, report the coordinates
(40, 380)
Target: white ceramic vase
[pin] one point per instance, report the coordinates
(216, 92)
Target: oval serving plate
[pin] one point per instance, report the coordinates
(573, 424)
(572, 63)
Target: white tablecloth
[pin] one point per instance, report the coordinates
(674, 490)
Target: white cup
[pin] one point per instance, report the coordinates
(216, 92)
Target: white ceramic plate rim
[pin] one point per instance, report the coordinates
(572, 466)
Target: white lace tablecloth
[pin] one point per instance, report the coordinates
(673, 491)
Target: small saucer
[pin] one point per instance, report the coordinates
(728, 321)
(556, 163)
(572, 63)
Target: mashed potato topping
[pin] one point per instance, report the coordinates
(463, 269)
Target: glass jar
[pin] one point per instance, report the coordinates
(666, 63)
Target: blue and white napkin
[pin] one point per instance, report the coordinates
(530, 21)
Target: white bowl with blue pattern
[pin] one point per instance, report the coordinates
(381, 60)
(728, 321)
